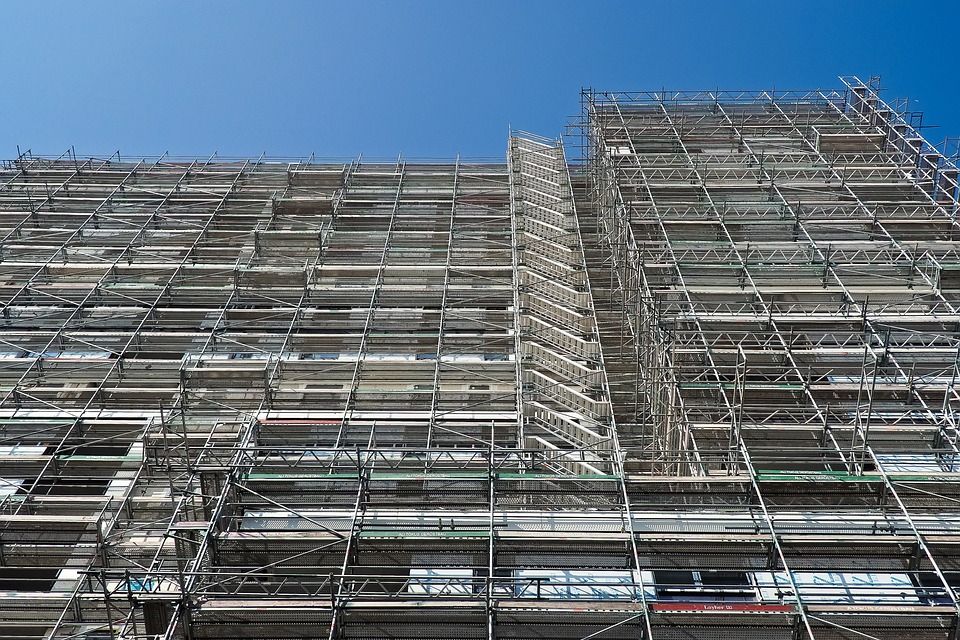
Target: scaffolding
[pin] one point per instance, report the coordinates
(699, 383)
(775, 266)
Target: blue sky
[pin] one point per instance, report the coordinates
(428, 79)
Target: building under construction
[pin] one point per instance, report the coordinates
(697, 381)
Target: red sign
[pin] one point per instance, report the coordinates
(727, 607)
(295, 421)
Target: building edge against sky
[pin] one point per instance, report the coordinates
(701, 384)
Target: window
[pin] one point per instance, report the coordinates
(141, 583)
(911, 462)
(847, 587)
(22, 450)
(84, 354)
(575, 584)
(10, 486)
(703, 585)
(72, 486)
(930, 589)
(99, 449)
(27, 579)
(441, 582)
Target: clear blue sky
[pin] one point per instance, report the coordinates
(429, 79)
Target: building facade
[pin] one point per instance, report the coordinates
(698, 382)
